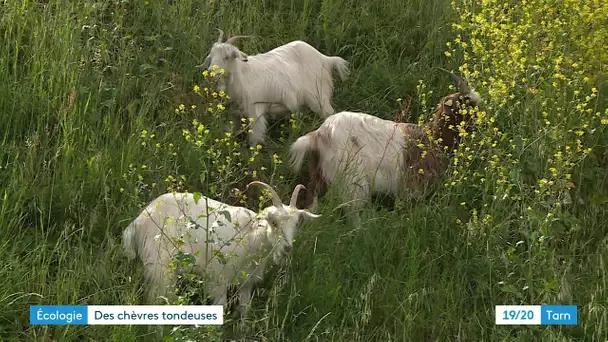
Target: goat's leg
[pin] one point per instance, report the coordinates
(233, 115)
(310, 200)
(219, 294)
(322, 106)
(354, 190)
(315, 204)
(358, 193)
(244, 301)
(326, 107)
(158, 281)
(259, 126)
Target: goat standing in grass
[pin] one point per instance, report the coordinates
(276, 82)
(239, 241)
(380, 156)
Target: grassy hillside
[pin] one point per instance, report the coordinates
(97, 118)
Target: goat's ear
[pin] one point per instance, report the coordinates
(271, 218)
(306, 215)
(244, 57)
(235, 53)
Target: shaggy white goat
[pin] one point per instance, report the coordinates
(374, 155)
(276, 82)
(243, 238)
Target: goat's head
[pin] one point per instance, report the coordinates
(283, 220)
(448, 115)
(224, 54)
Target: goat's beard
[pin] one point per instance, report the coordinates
(277, 258)
(278, 255)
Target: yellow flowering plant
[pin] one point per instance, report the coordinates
(540, 123)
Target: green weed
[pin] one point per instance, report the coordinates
(102, 109)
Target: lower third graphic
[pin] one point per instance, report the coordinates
(536, 314)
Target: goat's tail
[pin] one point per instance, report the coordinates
(300, 148)
(128, 241)
(341, 65)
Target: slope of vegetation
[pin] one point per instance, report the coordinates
(102, 109)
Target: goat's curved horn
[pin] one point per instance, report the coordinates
(276, 199)
(219, 39)
(233, 39)
(462, 85)
(294, 195)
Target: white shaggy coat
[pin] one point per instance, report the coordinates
(373, 155)
(242, 238)
(279, 81)
(365, 150)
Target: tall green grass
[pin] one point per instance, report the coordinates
(90, 134)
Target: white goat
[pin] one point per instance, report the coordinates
(276, 82)
(242, 238)
(374, 155)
